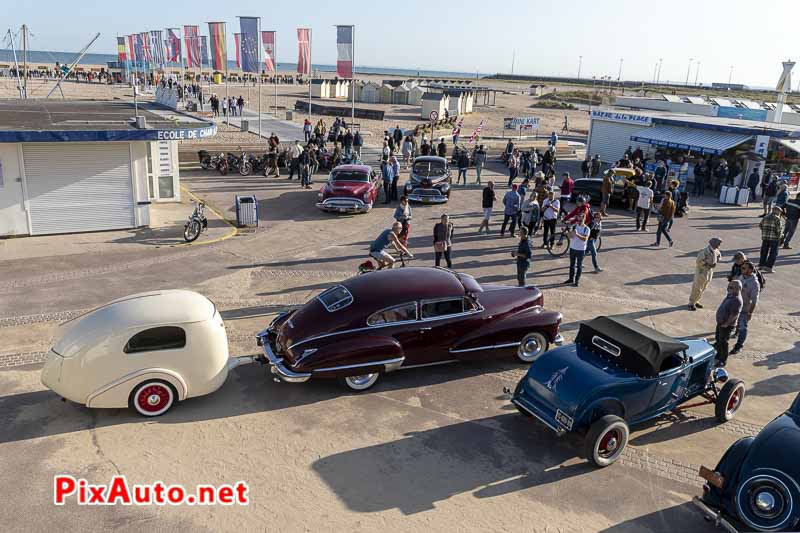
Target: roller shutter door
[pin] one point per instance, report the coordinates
(611, 139)
(76, 187)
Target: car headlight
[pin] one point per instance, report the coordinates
(445, 187)
(320, 195)
(409, 186)
(366, 196)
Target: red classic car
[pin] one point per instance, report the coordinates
(403, 318)
(350, 189)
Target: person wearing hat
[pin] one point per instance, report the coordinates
(772, 227)
(606, 189)
(706, 262)
(727, 315)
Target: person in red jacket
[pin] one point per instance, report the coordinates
(581, 211)
(567, 185)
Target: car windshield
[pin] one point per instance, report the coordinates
(336, 298)
(349, 175)
(428, 169)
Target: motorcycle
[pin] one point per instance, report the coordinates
(197, 223)
(229, 162)
(246, 164)
(208, 161)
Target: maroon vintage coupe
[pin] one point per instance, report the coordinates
(403, 318)
(349, 189)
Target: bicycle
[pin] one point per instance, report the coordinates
(368, 266)
(560, 245)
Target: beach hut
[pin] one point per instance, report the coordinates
(400, 94)
(369, 93)
(433, 102)
(320, 89)
(340, 89)
(455, 104)
(385, 94)
(536, 90)
(356, 87)
(468, 102)
(415, 95)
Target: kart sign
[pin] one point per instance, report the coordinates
(521, 123)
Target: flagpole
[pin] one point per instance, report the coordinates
(353, 75)
(227, 73)
(260, 79)
(309, 74)
(275, 67)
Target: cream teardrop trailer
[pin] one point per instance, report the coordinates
(146, 351)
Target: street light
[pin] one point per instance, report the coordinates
(580, 61)
(697, 73)
(658, 76)
(689, 70)
(730, 76)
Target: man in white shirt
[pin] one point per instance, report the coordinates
(550, 208)
(577, 250)
(644, 204)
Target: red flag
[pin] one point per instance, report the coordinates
(132, 48)
(238, 38)
(268, 39)
(344, 46)
(304, 51)
(476, 132)
(190, 36)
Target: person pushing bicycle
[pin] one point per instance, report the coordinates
(388, 237)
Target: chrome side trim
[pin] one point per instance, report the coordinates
(558, 430)
(714, 515)
(437, 363)
(492, 347)
(389, 364)
(182, 394)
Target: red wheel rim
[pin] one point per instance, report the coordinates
(610, 443)
(153, 398)
(733, 402)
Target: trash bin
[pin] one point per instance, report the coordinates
(289, 114)
(246, 211)
(245, 125)
(217, 78)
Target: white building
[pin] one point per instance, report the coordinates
(437, 102)
(60, 173)
(320, 89)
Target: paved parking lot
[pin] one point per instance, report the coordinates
(437, 448)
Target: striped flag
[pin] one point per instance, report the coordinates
(268, 40)
(173, 46)
(238, 46)
(219, 50)
(190, 34)
(147, 55)
(304, 51)
(139, 47)
(122, 56)
(249, 43)
(476, 133)
(157, 47)
(344, 46)
(203, 50)
(457, 129)
(132, 47)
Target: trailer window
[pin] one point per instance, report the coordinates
(161, 338)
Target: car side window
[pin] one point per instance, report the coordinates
(470, 305)
(440, 308)
(160, 338)
(400, 313)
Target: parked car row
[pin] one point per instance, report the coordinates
(152, 350)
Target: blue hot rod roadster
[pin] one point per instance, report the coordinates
(619, 373)
(756, 484)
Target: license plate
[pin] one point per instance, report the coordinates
(426, 200)
(564, 419)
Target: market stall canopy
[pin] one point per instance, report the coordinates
(628, 343)
(791, 144)
(704, 141)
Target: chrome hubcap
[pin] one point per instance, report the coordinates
(765, 502)
(361, 380)
(612, 445)
(154, 399)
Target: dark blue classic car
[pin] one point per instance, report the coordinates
(756, 484)
(619, 373)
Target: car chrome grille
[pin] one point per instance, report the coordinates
(426, 192)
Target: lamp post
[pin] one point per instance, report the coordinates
(619, 75)
(658, 76)
(689, 70)
(580, 61)
(730, 76)
(697, 73)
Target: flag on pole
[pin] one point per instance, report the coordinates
(190, 34)
(249, 43)
(121, 53)
(173, 46)
(304, 51)
(457, 129)
(203, 50)
(476, 133)
(157, 47)
(148, 57)
(139, 48)
(344, 45)
(132, 47)
(219, 51)
(268, 40)
(238, 46)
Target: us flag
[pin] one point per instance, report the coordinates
(304, 51)
(476, 133)
(344, 46)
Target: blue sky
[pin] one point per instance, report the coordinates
(469, 35)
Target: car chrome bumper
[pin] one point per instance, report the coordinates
(559, 340)
(533, 412)
(344, 206)
(425, 199)
(714, 515)
(278, 368)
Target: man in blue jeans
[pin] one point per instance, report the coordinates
(578, 238)
(523, 255)
(595, 227)
(750, 291)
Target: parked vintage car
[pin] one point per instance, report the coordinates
(349, 189)
(402, 318)
(756, 484)
(592, 187)
(619, 373)
(146, 351)
(430, 180)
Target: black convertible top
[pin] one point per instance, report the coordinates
(635, 347)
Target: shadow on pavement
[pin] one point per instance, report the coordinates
(666, 521)
(787, 357)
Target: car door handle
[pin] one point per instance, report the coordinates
(424, 329)
(664, 383)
